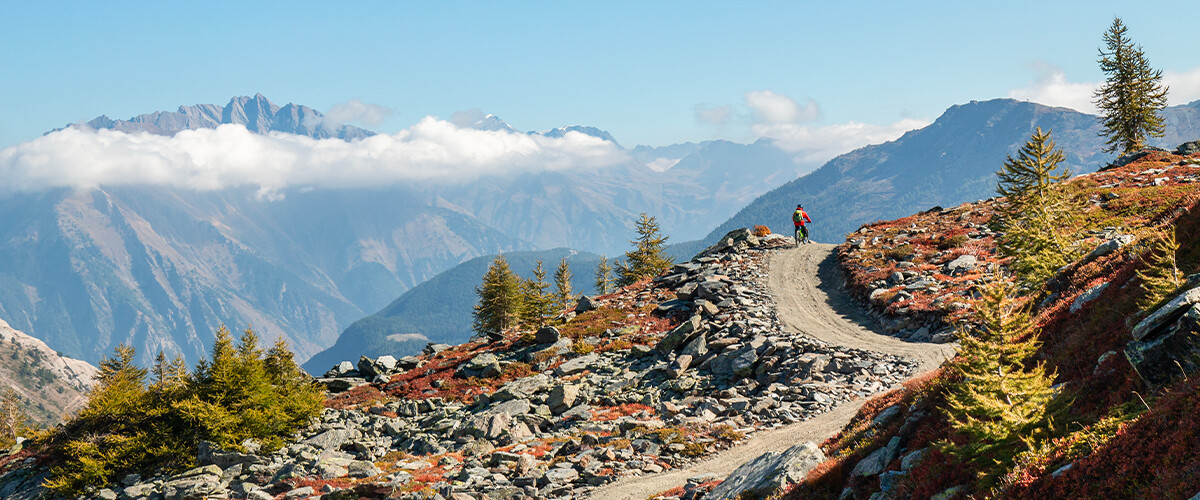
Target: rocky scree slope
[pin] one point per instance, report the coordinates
(1127, 372)
(659, 374)
(50, 385)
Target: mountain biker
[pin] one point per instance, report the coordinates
(799, 217)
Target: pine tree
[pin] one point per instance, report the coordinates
(537, 301)
(1162, 275)
(646, 259)
(499, 304)
(1036, 211)
(1133, 94)
(604, 276)
(998, 403)
(563, 295)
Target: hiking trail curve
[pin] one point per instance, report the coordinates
(806, 284)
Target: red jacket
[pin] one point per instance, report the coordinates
(803, 217)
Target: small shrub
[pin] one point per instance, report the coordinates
(902, 252)
(727, 433)
(956, 241)
(580, 347)
(761, 231)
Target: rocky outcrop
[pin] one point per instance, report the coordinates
(1166, 344)
(768, 473)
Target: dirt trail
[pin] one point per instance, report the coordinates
(807, 286)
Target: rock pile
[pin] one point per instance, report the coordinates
(725, 371)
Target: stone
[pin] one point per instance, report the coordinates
(697, 348)
(485, 365)
(512, 407)
(1166, 314)
(341, 370)
(431, 349)
(1188, 148)
(769, 473)
(562, 398)
(341, 384)
(547, 335)
(304, 492)
(961, 264)
(1091, 294)
(522, 388)
(363, 468)
(878, 460)
(944, 337)
(106, 494)
(577, 365)
(1109, 246)
(561, 475)
(1172, 351)
(329, 440)
(911, 460)
(385, 364)
(679, 335)
(586, 303)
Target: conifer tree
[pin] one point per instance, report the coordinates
(1133, 94)
(646, 259)
(13, 420)
(499, 304)
(1036, 211)
(563, 295)
(604, 276)
(998, 403)
(1162, 275)
(537, 301)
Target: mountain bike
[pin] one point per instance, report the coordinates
(802, 235)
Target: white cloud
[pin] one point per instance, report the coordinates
(770, 107)
(207, 159)
(356, 111)
(713, 114)
(1184, 86)
(1052, 89)
(818, 144)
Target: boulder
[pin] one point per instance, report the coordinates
(1172, 351)
(577, 365)
(1166, 315)
(485, 365)
(878, 460)
(343, 369)
(1091, 294)
(562, 398)
(586, 303)
(1109, 246)
(431, 349)
(679, 335)
(547, 335)
(962, 264)
(769, 473)
(521, 388)
(1188, 148)
(736, 241)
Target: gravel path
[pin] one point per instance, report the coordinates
(807, 286)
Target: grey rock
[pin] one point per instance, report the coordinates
(547, 335)
(485, 365)
(679, 335)
(577, 365)
(341, 384)
(561, 475)
(1091, 294)
(963, 263)
(329, 440)
(1172, 351)
(431, 349)
(697, 348)
(1167, 314)
(586, 303)
(363, 468)
(341, 370)
(106, 494)
(304, 492)
(1109, 246)
(522, 388)
(769, 473)
(512, 407)
(912, 459)
(562, 398)
(878, 460)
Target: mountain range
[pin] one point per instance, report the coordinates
(951, 161)
(162, 267)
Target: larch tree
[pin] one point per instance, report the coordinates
(538, 302)
(499, 304)
(1132, 95)
(1036, 212)
(647, 257)
(998, 402)
(563, 294)
(604, 276)
(1161, 275)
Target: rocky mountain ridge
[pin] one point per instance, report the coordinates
(50, 385)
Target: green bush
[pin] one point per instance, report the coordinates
(131, 426)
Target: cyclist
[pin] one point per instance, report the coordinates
(799, 217)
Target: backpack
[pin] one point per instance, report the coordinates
(797, 216)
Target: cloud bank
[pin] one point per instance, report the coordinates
(231, 156)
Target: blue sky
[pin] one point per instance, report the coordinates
(649, 72)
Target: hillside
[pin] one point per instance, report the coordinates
(50, 386)
(1123, 369)
(439, 310)
(951, 161)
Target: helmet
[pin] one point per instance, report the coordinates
(799, 205)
